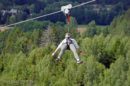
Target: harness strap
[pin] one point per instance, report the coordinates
(69, 41)
(68, 21)
(68, 18)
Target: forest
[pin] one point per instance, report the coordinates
(106, 55)
(102, 11)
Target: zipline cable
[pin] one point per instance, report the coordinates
(48, 14)
(83, 4)
(33, 18)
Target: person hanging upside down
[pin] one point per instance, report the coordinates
(70, 43)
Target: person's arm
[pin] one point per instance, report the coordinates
(57, 48)
(75, 43)
(77, 47)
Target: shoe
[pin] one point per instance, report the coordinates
(57, 59)
(79, 62)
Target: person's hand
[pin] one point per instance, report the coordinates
(53, 54)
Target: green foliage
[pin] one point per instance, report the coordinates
(93, 71)
(121, 25)
(117, 74)
(106, 57)
(16, 40)
(39, 67)
(93, 29)
(33, 25)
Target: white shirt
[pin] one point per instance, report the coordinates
(65, 41)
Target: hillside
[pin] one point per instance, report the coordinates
(106, 56)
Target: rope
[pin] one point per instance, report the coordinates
(48, 14)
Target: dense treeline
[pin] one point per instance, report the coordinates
(102, 11)
(106, 56)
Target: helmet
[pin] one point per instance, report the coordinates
(67, 35)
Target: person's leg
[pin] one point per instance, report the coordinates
(63, 48)
(73, 49)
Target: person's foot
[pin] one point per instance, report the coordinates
(79, 62)
(57, 59)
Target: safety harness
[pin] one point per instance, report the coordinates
(68, 42)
